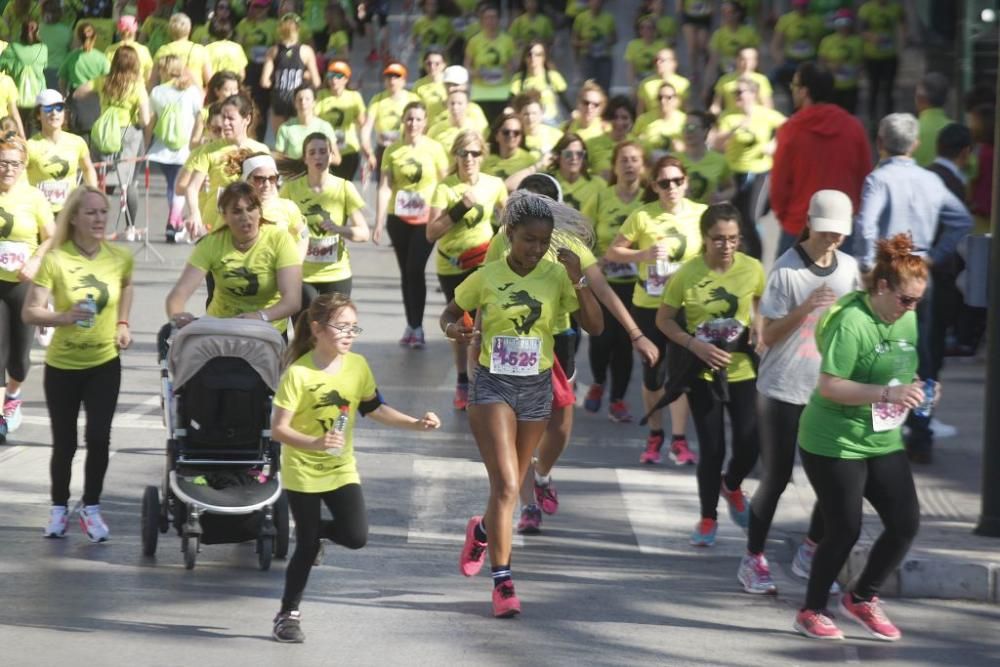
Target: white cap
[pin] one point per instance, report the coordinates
(49, 96)
(831, 211)
(456, 75)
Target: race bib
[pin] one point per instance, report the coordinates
(386, 138)
(801, 49)
(846, 73)
(514, 355)
(341, 137)
(412, 207)
(491, 75)
(616, 270)
(323, 250)
(657, 275)
(13, 255)
(55, 191)
(888, 416)
(721, 330)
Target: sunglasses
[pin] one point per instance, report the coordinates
(743, 91)
(510, 133)
(590, 103)
(391, 75)
(908, 301)
(462, 153)
(49, 108)
(261, 180)
(667, 97)
(337, 75)
(569, 154)
(665, 183)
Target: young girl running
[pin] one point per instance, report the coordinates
(519, 299)
(323, 390)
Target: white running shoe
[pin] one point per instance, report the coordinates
(130, 233)
(942, 430)
(93, 524)
(58, 518)
(182, 236)
(12, 413)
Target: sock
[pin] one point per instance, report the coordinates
(463, 378)
(542, 480)
(501, 573)
(480, 532)
(12, 397)
(656, 431)
(854, 598)
(675, 437)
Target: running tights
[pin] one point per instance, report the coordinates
(841, 484)
(709, 423)
(97, 388)
(412, 250)
(613, 348)
(349, 528)
(15, 335)
(779, 428)
(881, 82)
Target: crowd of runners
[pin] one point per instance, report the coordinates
(554, 205)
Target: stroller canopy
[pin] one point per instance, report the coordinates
(206, 338)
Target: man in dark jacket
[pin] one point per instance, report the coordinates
(821, 147)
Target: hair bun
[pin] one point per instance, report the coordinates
(894, 248)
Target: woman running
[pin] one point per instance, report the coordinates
(659, 237)
(176, 117)
(507, 159)
(90, 283)
(385, 114)
(323, 390)
(463, 209)
(289, 137)
(490, 57)
(620, 115)
(803, 284)
(709, 179)
(520, 299)
(208, 163)
(56, 158)
(850, 440)
(333, 211)
(256, 270)
(660, 131)
(24, 241)
(221, 87)
(696, 22)
(538, 73)
(411, 169)
(287, 66)
(608, 209)
(344, 110)
(569, 166)
(588, 119)
(260, 171)
(539, 138)
(719, 291)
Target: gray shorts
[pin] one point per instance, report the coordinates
(530, 397)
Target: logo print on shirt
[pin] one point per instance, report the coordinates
(719, 293)
(61, 167)
(335, 117)
(474, 216)
(92, 282)
(491, 57)
(521, 299)
(242, 273)
(8, 223)
(331, 398)
(412, 171)
(681, 245)
(697, 185)
(316, 215)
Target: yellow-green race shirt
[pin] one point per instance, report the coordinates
(24, 214)
(705, 176)
(415, 170)
(607, 212)
(53, 166)
(342, 113)
(476, 226)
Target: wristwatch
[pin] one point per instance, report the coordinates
(581, 283)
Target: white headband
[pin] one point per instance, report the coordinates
(256, 162)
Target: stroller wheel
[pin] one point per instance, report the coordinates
(189, 545)
(281, 526)
(150, 520)
(265, 550)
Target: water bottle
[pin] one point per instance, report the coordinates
(925, 408)
(89, 305)
(339, 426)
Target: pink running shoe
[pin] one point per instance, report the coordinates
(505, 602)
(870, 616)
(681, 454)
(473, 555)
(817, 625)
(618, 412)
(547, 497)
(407, 338)
(530, 522)
(654, 443)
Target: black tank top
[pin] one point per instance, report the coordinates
(289, 71)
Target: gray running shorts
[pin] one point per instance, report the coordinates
(530, 396)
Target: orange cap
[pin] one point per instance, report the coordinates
(339, 66)
(395, 68)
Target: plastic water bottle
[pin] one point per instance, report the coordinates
(89, 305)
(339, 426)
(925, 408)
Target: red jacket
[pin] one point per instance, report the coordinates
(821, 147)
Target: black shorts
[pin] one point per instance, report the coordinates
(697, 21)
(530, 396)
(450, 283)
(282, 105)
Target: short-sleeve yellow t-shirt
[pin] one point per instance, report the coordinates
(209, 159)
(193, 56)
(415, 171)
(53, 166)
(24, 214)
(475, 229)
(746, 148)
(342, 113)
(607, 212)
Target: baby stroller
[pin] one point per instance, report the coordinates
(222, 482)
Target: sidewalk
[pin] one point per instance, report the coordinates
(946, 560)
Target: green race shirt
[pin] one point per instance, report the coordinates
(432, 33)
(327, 258)
(856, 345)
(342, 113)
(657, 134)
(475, 229)
(416, 170)
(718, 306)
(81, 66)
(210, 159)
(245, 282)
(579, 192)
(490, 60)
(800, 34)
(641, 54)
(746, 148)
(549, 86)
(706, 175)
(596, 32)
(931, 122)
(727, 84)
(728, 43)
(315, 398)
(292, 133)
(71, 277)
(501, 167)
(882, 21)
(608, 212)
(388, 115)
(525, 29)
(53, 166)
(24, 215)
(649, 89)
(843, 56)
(434, 95)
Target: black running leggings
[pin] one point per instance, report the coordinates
(15, 335)
(654, 376)
(709, 423)
(97, 388)
(349, 528)
(779, 428)
(412, 249)
(613, 348)
(841, 484)
(881, 81)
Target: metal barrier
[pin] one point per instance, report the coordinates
(103, 169)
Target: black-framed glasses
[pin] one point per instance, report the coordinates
(723, 241)
(590, 103)
(667, 97)
(510, 133)
(463, 153)
(49, 108)
(537, 54)
(346, 329)
(665, 183)
(568, 154)
(11, 164)
(261, 180)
